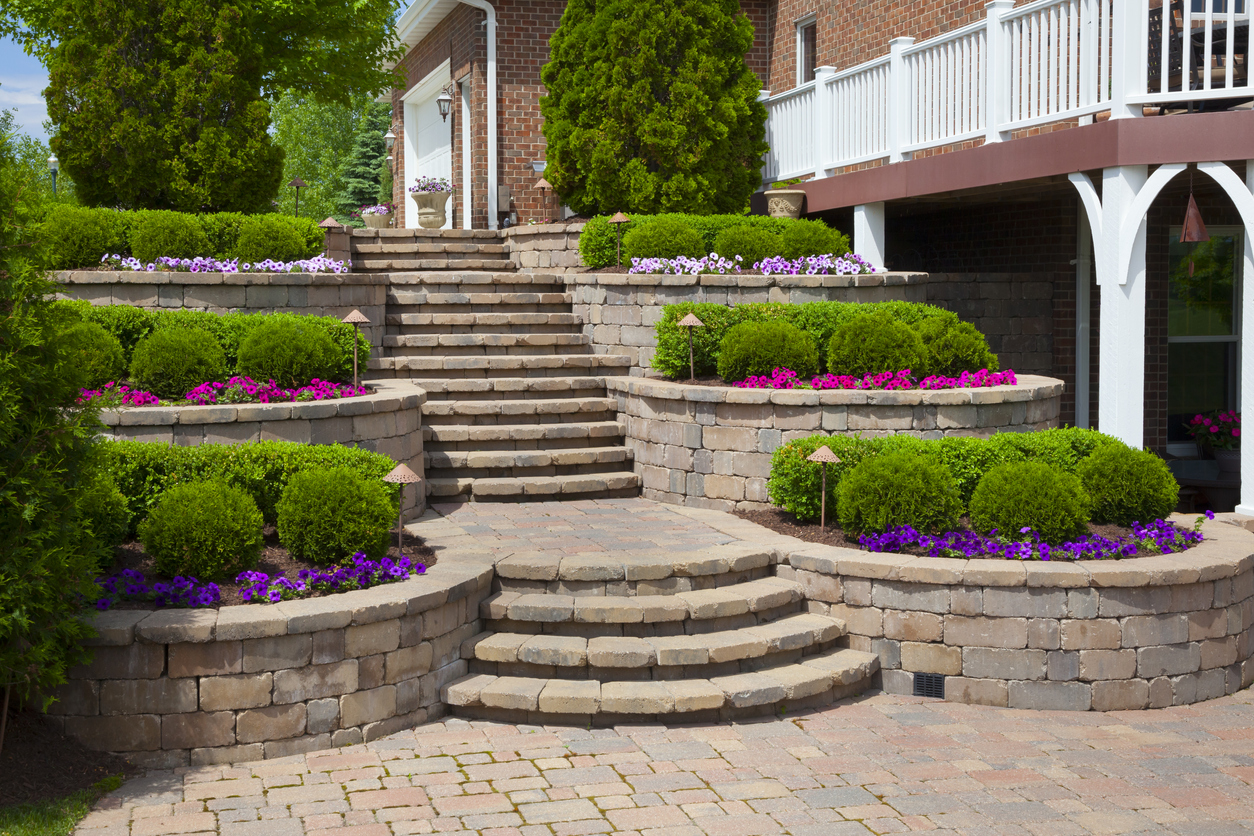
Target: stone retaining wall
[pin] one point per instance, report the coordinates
(317, 294)
(1101, 635)
(545, 248)
(619, 311)
(188, 687)
(711, 446)
(389, 421)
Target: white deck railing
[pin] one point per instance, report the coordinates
(1046, 61)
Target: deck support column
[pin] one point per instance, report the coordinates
(868, 233)
(1121, 354)
(1246, 505)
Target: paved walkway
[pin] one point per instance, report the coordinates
(877, 764)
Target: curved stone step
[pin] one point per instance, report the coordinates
(550, 410)
(632, 573)
(523, 365)
(438, 460)
(420, 247)
(511, 388)
(518, 436)
(483, 323)
(398, 263)
(535, 488)
(830, 675)
(466, 279)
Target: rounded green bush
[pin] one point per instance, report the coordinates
(326, 515)
(105, 510)
(204, 529)
(898, 488)
(662, 238)
(1018, 495)
(803, 238)
(288, 352)
(272, 237)
(1127, 485)
(952, 347)
(796, 483)
(874, 343)
(75, 236)
(172, 234)
(758, 348)
(94, 354)
(751, 243)
(172, 362)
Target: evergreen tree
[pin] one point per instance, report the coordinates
(158, 105)
(316, 139)
(652, 108)
(369, 155)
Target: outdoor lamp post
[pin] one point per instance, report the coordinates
(618, 220)
(401, 475)
(54, 165)
(690, 322)
(297, 184)
(825, 455)
(355, 318)
(543, 185)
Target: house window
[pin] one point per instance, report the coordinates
(807, 52)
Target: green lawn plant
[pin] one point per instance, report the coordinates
(268, 237)
(873, 343)
(751, 243)
(172, 234)
(326, 516)
(57, 816)
(1128, 485)
(289, 352)
(1048, 501)
(172, 362)
(94, 354)
(210, 530)
(667, 238)
(897, 488)
(757, 348)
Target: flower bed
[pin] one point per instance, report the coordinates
(787, 379)
(829, 264)
(208, 264)
(237, 390)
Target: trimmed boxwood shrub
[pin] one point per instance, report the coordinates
(145, 470)
(264, 237)
(94, 354)
(172, 362)
(952, 347)
(104, 511)
(664, 238)
(898, 488)
(751, 243)
(328, 515)
(1049, 501)
(757, 348)
(874, 343)
(1128, 485)
(288, 352)
(75, 236)
(803, 238)
(205, 529)
(172, 234)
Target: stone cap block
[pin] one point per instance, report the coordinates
(177, 626)
(250, 621)
(114, 628)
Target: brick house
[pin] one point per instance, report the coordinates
(1035, 158)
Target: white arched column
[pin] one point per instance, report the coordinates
(1246, 505)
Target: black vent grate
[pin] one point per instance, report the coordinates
(929, 685)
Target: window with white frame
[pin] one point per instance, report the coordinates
(807, 51)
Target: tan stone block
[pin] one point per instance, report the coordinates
(965, 631)
(218, 693)
(1124, 695)
(1107, 664)
(1208, 624)
(198, 731)
(408, 662)
(931, 658)
(1149, 630)
(127, 733)
(977, 691)
(277, 653)
(513, 692)
(636, 698)
(276, 722)
(1003, 663)
(208, 659)
(370, 639)
(860, 621)
(1044, 633)
(1216, 653)
(315, 681)
(1091, 634)
(367, 706)
(620, 652)
(695, 695)
(569, 696)
(147, 696)
(913, 626)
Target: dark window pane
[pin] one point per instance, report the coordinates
(1199, 379)
(1201, 304)
(809, 52)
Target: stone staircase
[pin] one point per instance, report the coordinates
(607, 638)
(392, 250)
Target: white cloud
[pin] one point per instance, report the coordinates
(24, 95)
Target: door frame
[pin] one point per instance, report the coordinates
(422, 92)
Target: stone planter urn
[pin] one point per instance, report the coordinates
(377, 221)
(784, 203)
(1229, 462)
(431, 214)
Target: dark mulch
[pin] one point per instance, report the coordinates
(275, 561)
(782, 522)
(41, 764)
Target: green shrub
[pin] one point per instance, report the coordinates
(311, 235)
(898, 488)
(207, 530)
(596, 241)
(289, 353)
(805, 238)
(263, 237)
(104, 511)
(126, 323)
(328, 515)
(222, 229)
(172, 362)
(1011, 497)
(751, 243)
(874, 343)
(94, 354)
(172, 234)
(663, 238)
(1128, 485)
(757, 348)
(952, 347)
(75, 236)
(145, 470)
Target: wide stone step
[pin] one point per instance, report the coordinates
(535, 488)
(428, 247)
(366, 236)
(552, 410)
(497, 463)
(523, 365)
(486, 302)
(520, 436)
(816, 680)
(394, 264)
(474, 280)
(483, 323)
(657, 572)
(483, 345)
(512, 388)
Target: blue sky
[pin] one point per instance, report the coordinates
(22, 81)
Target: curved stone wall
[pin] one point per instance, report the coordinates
(711, 446)
(1102, 635)
(389, 421)
(179, 687)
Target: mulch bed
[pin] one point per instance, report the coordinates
(275, 561)
(41, 764)
(782, 522)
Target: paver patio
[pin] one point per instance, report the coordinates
(876, 764)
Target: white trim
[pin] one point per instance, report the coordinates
(430, 85)
(416, 22)
(421, 93)
(463, 90)
(493, 128)
(812, 19)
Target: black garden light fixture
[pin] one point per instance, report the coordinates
(355, 319)
(298, 184)
(825, 455)
(690, 322)
(401, 475)
(618, 220)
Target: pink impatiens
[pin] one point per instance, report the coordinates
(787, 379)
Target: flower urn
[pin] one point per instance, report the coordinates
(1229, 462)
(785, 203)
(431, 213)
(377, 221)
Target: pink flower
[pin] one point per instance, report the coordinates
(1214, 429)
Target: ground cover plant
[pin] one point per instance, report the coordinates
(785, 378)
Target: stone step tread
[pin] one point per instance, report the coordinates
(721, 602)
(447, 320)
(485, 340)
(384, 264)
(471, 277)
(452, 388)
(793, 632)
(527, 487)
(565, 457)
(435, 435)
(422, 297)
(810, 677)
(537, 406)
(502, 362)
(362, 235)
(419, 247)
(635, 566)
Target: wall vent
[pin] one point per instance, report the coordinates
(929, 685)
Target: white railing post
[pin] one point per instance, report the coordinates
(869, 238)
(998, 74)
(821, 136)
(1127, 69)
(768, 159)
(899, 104)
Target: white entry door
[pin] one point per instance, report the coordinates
(428, 142)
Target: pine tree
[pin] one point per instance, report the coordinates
(369, 154)
(652, 108)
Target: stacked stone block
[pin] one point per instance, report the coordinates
(550, 248)
(391, 250)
